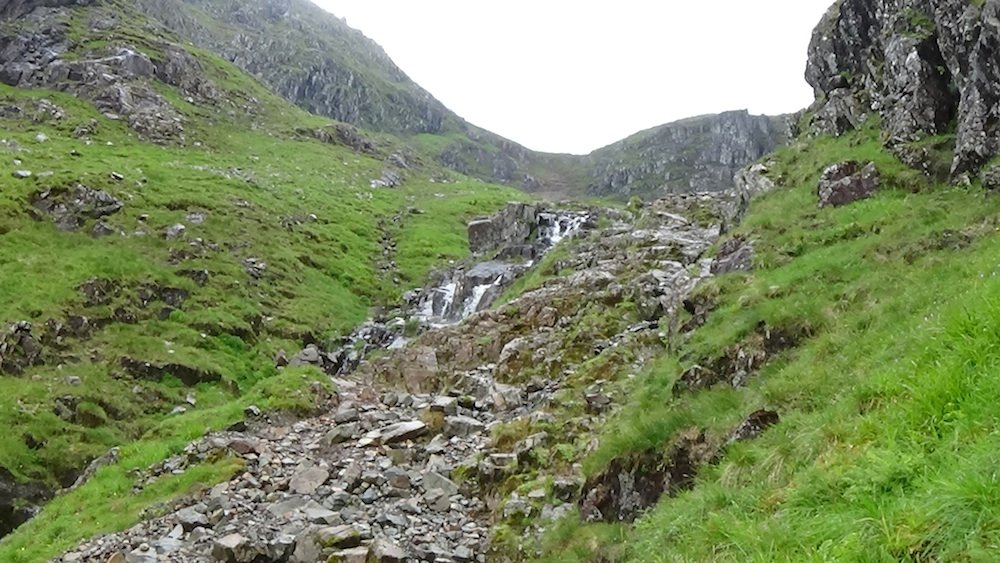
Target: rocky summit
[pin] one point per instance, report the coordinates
(263, 299)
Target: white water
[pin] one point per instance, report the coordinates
(560, 227)
(472, 304)
(447, 293)
(438, 306)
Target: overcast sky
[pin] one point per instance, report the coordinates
(572, 76)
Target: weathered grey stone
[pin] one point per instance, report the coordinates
(174, 231)
(353, 555)
(385, 551)
(306, 481)
(434, 480)
(921, 64)
(847, 182)
(692, 155)
(735, 255)
(462, 426)
(235, 548)
(189, 519)
(991, 177)
(403, 431)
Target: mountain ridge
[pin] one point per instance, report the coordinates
(317, 71)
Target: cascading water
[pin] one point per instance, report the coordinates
(463, 293)
(472, 305)
(554, 228)
(460, 293)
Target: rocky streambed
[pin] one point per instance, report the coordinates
(413, 459)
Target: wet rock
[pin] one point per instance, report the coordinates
(847, 182)
(512, 226)
(404, 493)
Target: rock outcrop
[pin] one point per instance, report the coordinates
(927, 67)
(311, 58)
(331, 69)
(693, 155)
(118, 78)
(847, 182)
(18, 502)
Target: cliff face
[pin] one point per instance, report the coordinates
(308, 56)
(696, 154)
(318, 62)
(927, 67)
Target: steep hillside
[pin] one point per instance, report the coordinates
(926, 67)
(216, 297)
(693, 155)
(830, 400)
(321, 64)
(167, 227)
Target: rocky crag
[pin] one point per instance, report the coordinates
(927, 68)
(418, 457)
(328, 68)
(693, 155)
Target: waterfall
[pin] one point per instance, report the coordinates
(472, 304)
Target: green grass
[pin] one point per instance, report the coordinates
(108, 503)
(268, 192)
(886, 449)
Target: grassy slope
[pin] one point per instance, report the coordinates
(887, 446)
(246, 170)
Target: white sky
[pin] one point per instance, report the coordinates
(572, 76)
